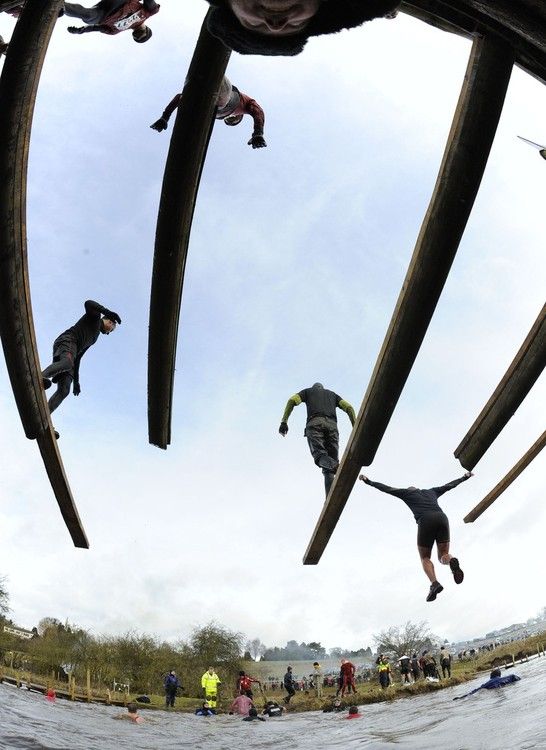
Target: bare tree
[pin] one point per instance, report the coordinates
(4, 598)
(256, 648)
(409, 638)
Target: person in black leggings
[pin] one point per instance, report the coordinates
(70, 346)
(432, 526)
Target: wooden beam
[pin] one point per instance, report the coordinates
(465, 157)
(503, 485)
(18, 87)
(187, 152)
(518, 380)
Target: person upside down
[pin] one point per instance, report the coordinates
(232, 106)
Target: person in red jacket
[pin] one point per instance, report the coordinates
(347, 677)
(113, 17)
(232, 106)
(244, 684)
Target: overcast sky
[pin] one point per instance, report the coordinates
(297, 256)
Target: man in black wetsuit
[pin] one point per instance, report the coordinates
(432, 526)
(70, 346)
(321, 428)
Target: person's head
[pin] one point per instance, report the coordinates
(495, 673)
(288, 669)
(344, 661)
(316, 664)
(142, 33)
(206, 704)
(282, 27)
(132, 708)
(442, 648)
(233, 120)
(414, 656)
(173, 673)
(337, 702)
(252, 712)
(211, 670)
(353, 709)
(107, 325)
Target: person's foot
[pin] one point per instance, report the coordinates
(46, 382)
(435, 589)
(458, 574)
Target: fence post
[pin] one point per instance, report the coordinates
(88, 685)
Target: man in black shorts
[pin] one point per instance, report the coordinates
(432, 526)
(70, 346)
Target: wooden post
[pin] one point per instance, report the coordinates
(463, 164)
(503, 485)
(518, 380)
(88, 675)
(108, 697)
(72, 687)
(187, 152)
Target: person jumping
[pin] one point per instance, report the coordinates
(432, 526)
(70, 346)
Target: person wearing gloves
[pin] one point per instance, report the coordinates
(321, 428)
(209, 683)
(232, 105)
(70, 346)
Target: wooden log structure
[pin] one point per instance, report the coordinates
(464, 161)
(18, 87)
(185, 160)
(503, 485)
(524, 371)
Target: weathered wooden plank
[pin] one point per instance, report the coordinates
(503, 485)
(518, 380)
(467, 150)
(18, 87)
(185, 160)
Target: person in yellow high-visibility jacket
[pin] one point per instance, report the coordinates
(209, 683)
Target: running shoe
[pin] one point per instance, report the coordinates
(435, 589)
(458, 574)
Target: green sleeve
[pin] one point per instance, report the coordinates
(292, 401)
(346, 406)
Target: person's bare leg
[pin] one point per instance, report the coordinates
(426, 562)
(443, 552)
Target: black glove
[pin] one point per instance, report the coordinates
(112, 316)
(76, 390)
(257, 141)
(283, 429)
(76, 29)
(160, 125)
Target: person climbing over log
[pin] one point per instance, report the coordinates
(113, 17)
(70, 346)
(275, 27)
(232, 106)
(321, 428)
(432, 526)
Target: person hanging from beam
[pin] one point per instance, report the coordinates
(432, 526)
(70, 346)
(113, 17)
(232, 106)
(321, 428)
(275, 27)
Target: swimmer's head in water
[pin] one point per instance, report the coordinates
(253, 712)
(353, 709)
(282, 27)
(495, 673)
(132, 708)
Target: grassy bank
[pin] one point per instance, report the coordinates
(368, 692)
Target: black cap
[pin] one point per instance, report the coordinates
(331, 16)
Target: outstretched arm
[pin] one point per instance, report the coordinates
(252, 108)
(294, 400)
(96, 310)
(348, 409)
(450, 485)
(84, 29)
(384, 487)
(163, 121)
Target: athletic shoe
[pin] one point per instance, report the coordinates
(46, 382)
(435, 589)
(458, 574)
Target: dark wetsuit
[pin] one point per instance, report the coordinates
(432, 522)
(69, 348)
